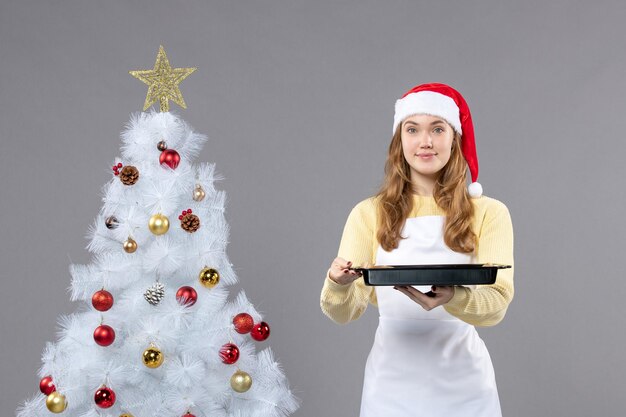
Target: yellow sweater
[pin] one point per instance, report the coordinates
(485, 305)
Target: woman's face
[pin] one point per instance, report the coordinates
(426, 144)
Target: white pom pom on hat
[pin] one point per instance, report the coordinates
(443, 101)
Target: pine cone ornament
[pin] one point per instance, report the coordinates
(189, 222)
(129, 175)
(155, 293)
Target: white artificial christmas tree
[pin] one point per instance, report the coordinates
(155, 334)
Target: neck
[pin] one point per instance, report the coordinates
(423, 185)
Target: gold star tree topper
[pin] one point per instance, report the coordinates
(163, 82)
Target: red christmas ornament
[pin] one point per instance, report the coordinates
(102, 300)
(229, 353)
(104, 335)
(260, 331)
(46, 386)
(186, 296)
(243, 323)
(169, 157)
(104, 397)
(189, 415)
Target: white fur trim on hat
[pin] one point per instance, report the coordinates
(427, 102)
(475, 189)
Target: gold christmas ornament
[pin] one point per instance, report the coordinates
(159, 224)
(198, 193)
(130, 246)
(163, 82)
(162, 145)
(209, 277)
(241, 381)
(126, 415)
(56, 402)
(152, 357)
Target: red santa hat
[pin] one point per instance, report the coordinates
(443, 101)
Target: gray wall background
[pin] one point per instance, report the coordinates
(297, 100)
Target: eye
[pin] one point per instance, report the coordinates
(439, 130)
(411, 130)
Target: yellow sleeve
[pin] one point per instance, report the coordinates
(344, 303)
(487, 304)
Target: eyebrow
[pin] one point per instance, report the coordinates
(433, 123)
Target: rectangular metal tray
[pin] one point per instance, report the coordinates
(448, 274)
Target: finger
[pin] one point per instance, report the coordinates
(406, 292)
(413, 290)
(341, 270)
(443, 291)
(364, 265)
(424, 299)
(338, 272)
(341, 263)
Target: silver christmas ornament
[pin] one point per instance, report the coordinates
(155, 293)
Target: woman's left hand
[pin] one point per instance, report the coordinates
(434, 298)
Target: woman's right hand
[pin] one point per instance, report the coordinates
(340, 272)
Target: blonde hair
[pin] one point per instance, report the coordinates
(395, 198)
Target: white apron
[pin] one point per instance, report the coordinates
(425, 363)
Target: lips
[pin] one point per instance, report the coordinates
(425, 155)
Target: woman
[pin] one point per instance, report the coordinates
(427, 358)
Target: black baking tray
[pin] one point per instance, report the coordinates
(445, 274)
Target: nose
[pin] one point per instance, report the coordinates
(426, 141)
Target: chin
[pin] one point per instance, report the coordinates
(428, 171)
